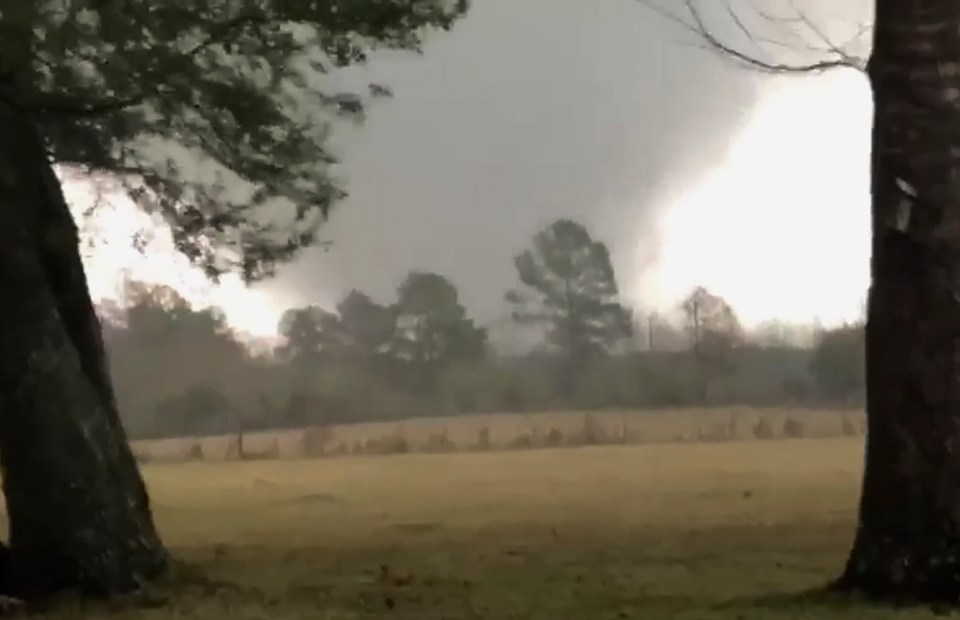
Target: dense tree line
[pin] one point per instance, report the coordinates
(181, 371)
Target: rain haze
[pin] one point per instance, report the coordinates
(583, 336)
(693, 170)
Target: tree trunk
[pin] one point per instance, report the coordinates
(78, 509)
(908, 538)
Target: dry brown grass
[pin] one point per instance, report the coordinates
(505, 428)
(705, 531)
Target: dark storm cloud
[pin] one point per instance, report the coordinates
(528, 111)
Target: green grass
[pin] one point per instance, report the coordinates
(686, 531)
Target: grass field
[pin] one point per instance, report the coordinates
(714, 531)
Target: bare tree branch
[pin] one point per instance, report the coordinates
(59, 105)
(695, 23)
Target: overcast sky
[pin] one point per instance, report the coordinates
(530, 110)
(602, 111)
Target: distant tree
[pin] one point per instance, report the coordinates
(838, 363)
(178, 101)
(432, 327)
(645, 336)
(653, 332)
(160, 347)
(322, 348)
(360, 332)
(158, 316)
(366, 328)
(570, 290)
(309, 335)
(714, 332)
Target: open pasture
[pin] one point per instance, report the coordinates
(696, 530)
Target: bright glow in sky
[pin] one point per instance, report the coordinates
(114, 257)
(781, 227)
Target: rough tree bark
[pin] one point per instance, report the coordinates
(907, 544)
(78, 509)
(908, 536)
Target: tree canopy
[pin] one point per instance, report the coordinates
(359, 331)
(366, 327)
(570, 289)
(715, 333)
(432, 327)
(171, 364)
(210, 113)
(711, 321)
(838, 363)
(309, 334)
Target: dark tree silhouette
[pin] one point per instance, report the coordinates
(714, 332)
(570, 289)
(366, 329)
(432, 328)
(164, 353)
(177, 101)
(310, 335)
(838, 363)
(907, 543)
